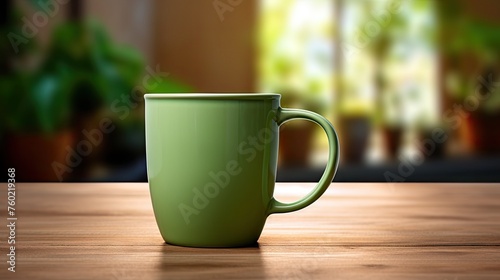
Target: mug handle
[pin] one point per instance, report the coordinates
(285, 115)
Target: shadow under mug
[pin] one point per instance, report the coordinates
(211, 164)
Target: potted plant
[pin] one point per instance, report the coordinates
(297, 138)
(473, 80)
(354, 126)
(480, 99)
(45, 109)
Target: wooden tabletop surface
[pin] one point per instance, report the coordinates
(355, 231)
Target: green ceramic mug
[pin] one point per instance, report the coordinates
(211, 163)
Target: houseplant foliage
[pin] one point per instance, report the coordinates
(472, 74)
(44, 103)
(82, 71)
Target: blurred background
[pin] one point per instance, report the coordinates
(412, 87)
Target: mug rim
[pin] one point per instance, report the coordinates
(211, 95)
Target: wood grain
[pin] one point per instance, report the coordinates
(365, 231)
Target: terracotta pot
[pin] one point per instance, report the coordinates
(483, 135)
(393, 140)
(354, 135)
(32, 155)
(296, 144)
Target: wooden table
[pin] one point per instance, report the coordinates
(366, 231)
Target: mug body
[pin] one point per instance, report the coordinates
(211, 163)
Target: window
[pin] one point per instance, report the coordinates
(371, 59)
